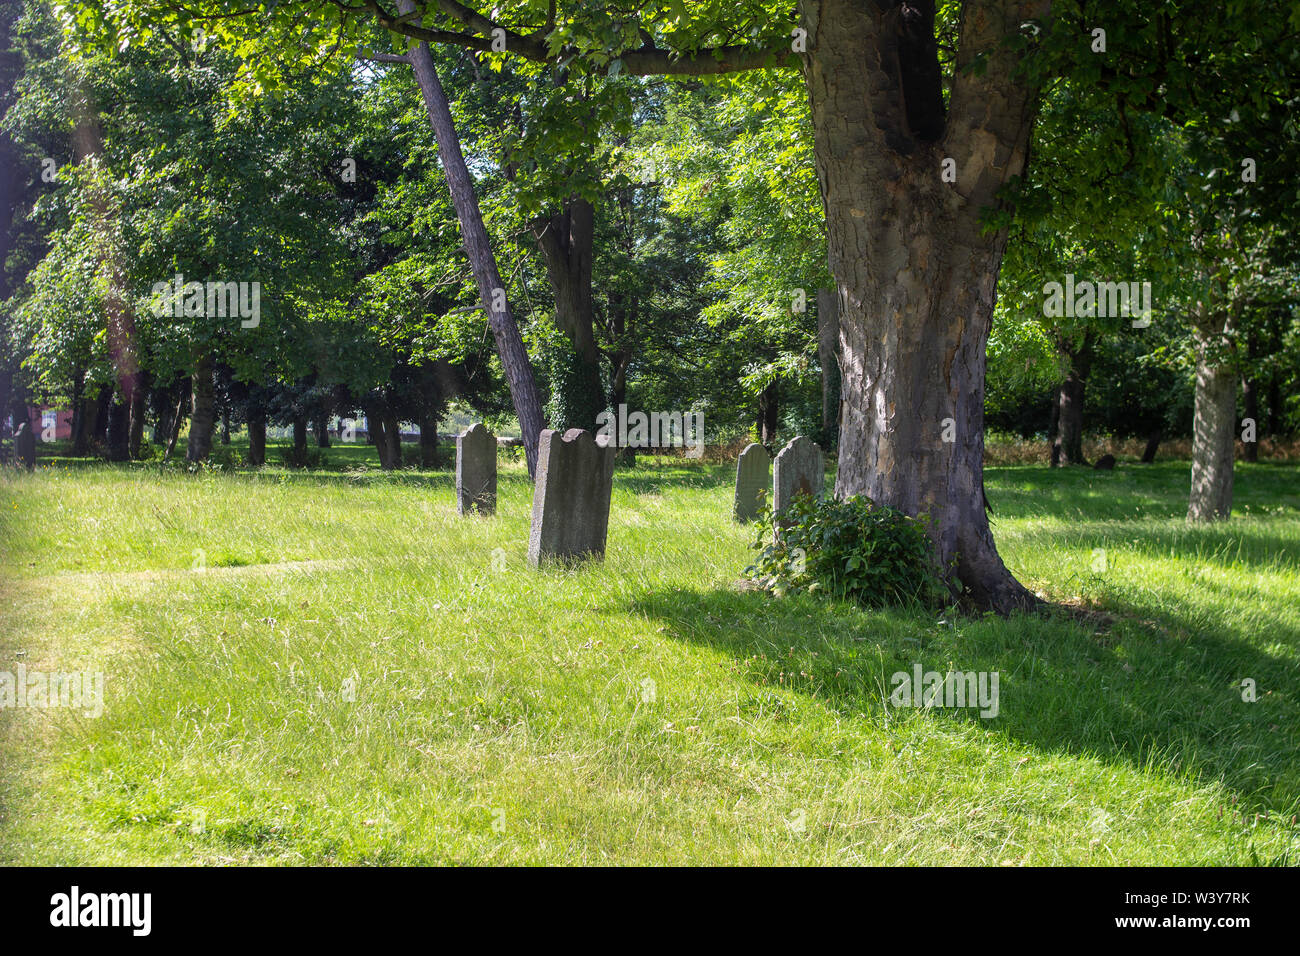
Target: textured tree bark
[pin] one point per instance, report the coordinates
(916, 274)
(202, 411)
(566, 241)
(510, 344)
(1213, 429)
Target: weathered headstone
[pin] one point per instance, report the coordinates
(476, 470)
(575, 475)
(798, 469)
(753, 472)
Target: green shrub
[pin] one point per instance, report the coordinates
(851, 549)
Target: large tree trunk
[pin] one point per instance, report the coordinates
(916, 273)
(1213, 428)
(491, 289)
(203, 412)
(566, 241)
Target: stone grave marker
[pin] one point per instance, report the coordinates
(799, 468)
(753, 472)
(575, 475)
(476, 470)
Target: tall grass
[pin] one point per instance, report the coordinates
(336, 668)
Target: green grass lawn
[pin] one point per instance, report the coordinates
(641, 710)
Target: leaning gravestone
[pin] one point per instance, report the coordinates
(575, 474)
(753, 471)
(798, 469)
(476, 470)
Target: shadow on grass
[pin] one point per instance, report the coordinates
(1128, 695)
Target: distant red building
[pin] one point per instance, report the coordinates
(50, 424)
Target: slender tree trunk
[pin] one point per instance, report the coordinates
(90, 406)
(916, 272)
(1070, 423)
(24, 437)
(429, 441)
(119, 428)
(393, 433)
(1054, 429)
(100, 419)
(79, 434)
(257, 439)
(1070, 395)
(1213, 429)
(769, 414)
(1250, 403)
(1274, 405)
(300, 441)
(323, 432)
(225, 426)
(175, 424)
(377, 436)
(139, 411)
(1153, 445)
(202, 412)
(491, 289)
